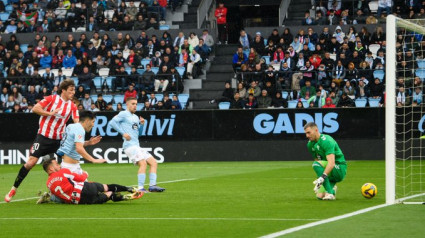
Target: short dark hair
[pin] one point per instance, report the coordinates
(84, 115)
(310, 125)
(47, 163)
(65, 85)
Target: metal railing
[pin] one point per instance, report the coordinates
(202, 11)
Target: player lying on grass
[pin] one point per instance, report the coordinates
(71, 188)
(128, 124)
(329, 162)
(72, 144)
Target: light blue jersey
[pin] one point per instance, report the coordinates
(73, 133)
(127, 122)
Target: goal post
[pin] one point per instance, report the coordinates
(404, 169)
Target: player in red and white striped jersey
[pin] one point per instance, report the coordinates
(54, 112)
(71, 188)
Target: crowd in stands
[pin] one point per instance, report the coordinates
(322, 69)
(157, 64)
(63, 16)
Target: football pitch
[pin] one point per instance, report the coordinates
(212, 199)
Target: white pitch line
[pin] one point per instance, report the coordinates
(157, 218)
(171, 181)
(332, 219)
(20, 200)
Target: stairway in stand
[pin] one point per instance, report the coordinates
(219, 73)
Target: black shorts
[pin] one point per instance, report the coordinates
(92, 193)
(43, 146)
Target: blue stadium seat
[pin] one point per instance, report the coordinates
(305, 103)
(285, 94)
(107, 98)
(124, 106)
(141, 71)
(98, 82)
(224, 105)
(4, 16)
(183, 104)
(93, 98)
(246, 52)
(292, 103)
(420, 73)
(75, 80)
(155, 70)
(114, 106)
(24, 48)
(9, 8)
(181, 71)
(267, 59)
(145, 62)
(164, 27)
(128, 70)
(380, 74)
(360, 102)
(119, 98)
(265, 42)
(374, 102)
(159, 97)
(183, 98)
(421, 63)
(109, 82)
(140, 106)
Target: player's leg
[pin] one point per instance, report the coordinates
(319, 168)
(141, 175)
(152, 175)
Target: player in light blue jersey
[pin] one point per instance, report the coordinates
(72, 145)
(127, 123)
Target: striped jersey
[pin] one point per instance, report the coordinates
(53, 127)
(66, 185)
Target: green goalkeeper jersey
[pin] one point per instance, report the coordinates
(326, 145)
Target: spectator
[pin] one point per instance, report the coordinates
(100, 103)
(140, 24)
(175, 104)
(245, 40)
(349, 90)
(208, 39)
(193, 40)
(239, 58)
(338, 74)
(193, 63)
(318, 100)
(226, 96)
(329, 103)
(362, 90)
(176, 81)
(147, 82)
(251, 102)
(264, 101)
(402, 100)
(278, 101)
(376, 89)
(417, 97)
(46, 60)
(93, 108)
(87, 101)
(236, 102)
(320, 19)
(79, 93)
(242, 91)
(69, 61)
(308, 20)
(384, 5)
(345, 101)
(221, 14)
(119, 107)
(203, 50)
(109, 107)
(130, 93)
(307, 91)
(11, 28)
(86, 78)
(162, 80)
(299, 105)
(254, 89)
(333, 19)
(167, 101)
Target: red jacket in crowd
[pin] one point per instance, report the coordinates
(220, 14)
(162, 3)
(129, 94)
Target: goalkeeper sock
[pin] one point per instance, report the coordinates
(117, 188)
(23, 172)
(141, 180)
(152, 179)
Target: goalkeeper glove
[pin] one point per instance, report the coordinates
(318, 182)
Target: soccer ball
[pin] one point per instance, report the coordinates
(369, 190)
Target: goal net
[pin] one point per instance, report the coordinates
(405, 112)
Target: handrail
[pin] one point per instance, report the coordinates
(202, 11)
(283, 10)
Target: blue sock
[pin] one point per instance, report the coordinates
(152, 179)
(141, 180)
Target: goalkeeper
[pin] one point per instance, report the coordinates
(329, 162)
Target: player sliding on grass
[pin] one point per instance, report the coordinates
(71, 188)
(329, 165)
(128, 124)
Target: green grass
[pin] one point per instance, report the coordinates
(225, 199)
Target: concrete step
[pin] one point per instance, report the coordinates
(190, 17)
(187, 25)
(200, 94)
(203, 104)
(220, 77)
(226, 50)
(221, 68)
(223, 59)
(213, 85)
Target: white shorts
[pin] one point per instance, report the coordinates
(136, 153)
(74, 168)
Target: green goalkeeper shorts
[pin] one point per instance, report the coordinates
(338, 172)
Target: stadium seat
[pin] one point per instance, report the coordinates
(119, 98)
(246, 52)
(141, 71)
(265, 42)
(75, 80)
(24, 48)
(224, 105)
(67, 72)
(55, 72)
(285, 94)
(80, 29)
(360, 102)
(292, 103)
(183, 98)
(380, 74)
(109, 14)
(107, 98)
(374, 102)
(420, 73)
(104, 72)
(373, 6)
(374, 48)
(155, 70)
(333, 56)
(125, 53)
(124, 106)
(421, 63)
(159, 97)
(267, 59)
(305, 103)
(181, 71)
(9, 8)
(144, 62)
(128, 71)
(109, 82)
(98, 82)
(41, 72)
(140, 106)
(114, 106)
(93, 98)
(164, 27)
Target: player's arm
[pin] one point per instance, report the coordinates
(75, 115)
(93, 141)
(331, 163)
(80, 150)
(39, 108)
(74, 176)
(115, 123)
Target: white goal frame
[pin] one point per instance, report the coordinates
(390, 108)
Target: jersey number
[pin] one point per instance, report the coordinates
(35, 146)
(58, 188)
